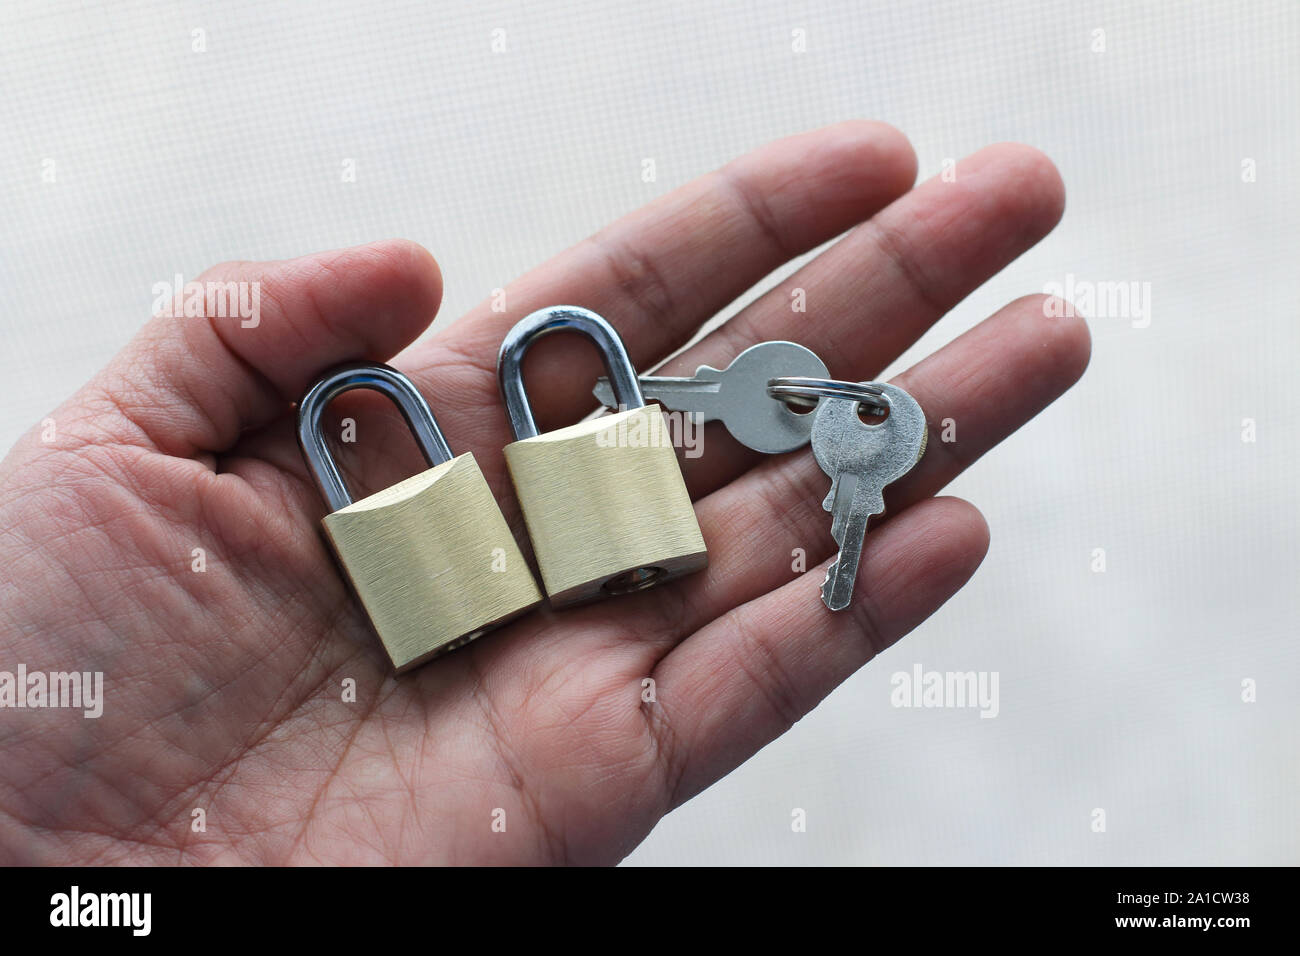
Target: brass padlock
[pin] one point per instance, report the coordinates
(431, 558)
(604, 500)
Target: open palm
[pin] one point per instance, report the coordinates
(226, 689)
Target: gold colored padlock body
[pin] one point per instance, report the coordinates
(432, 561)
(606, 506)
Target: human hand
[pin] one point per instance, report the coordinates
(223, 688)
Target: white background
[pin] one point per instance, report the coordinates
(1118, 690)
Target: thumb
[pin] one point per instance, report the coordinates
(190, 384)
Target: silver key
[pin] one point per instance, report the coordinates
(861, 460)
(737, 395)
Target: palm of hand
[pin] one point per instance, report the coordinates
(225, 689)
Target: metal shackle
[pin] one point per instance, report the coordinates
(399, 389)
(560, 318)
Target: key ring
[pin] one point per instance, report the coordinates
(806, 391)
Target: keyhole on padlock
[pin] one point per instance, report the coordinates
(637, 579)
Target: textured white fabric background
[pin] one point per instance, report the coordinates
(1119, 690)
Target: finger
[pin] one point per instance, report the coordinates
(660, 272)
(192, 384)
(872, 294)
(747, 677)
(989, 382)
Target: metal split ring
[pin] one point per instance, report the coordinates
(807, 391)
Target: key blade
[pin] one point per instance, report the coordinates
(604, 392)
(842, 575)
(696, 395)
(849, 517)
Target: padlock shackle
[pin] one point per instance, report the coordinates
(389, 382)
(559, 318)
